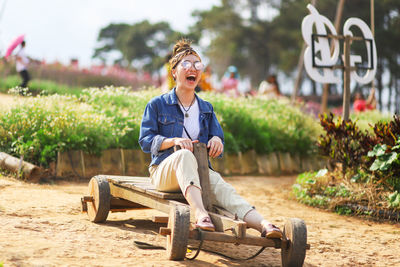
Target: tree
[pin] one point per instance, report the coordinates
(142, 45)
(235, 40)
(108, 36)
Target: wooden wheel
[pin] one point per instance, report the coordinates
(294, 251)
(98, 208)
(178, 222)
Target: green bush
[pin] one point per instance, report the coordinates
(41, 126)
(265, 125)
(110, 117)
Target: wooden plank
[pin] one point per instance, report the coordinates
(142, 184)
(139, 198)
(134, 187)
(223, 223)
(121, 179)
(118, 203)
(160, 219)
(165, 195)
(200, 152)
(227, 238)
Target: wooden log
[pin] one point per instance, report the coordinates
(20, 167)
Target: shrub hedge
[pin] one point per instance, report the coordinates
(98, 119)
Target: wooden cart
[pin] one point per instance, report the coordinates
(120, 193)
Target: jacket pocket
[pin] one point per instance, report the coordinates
(166, 125)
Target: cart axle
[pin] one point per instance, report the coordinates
(226, 238)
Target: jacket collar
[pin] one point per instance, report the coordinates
(172, 99)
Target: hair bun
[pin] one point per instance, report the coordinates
(182, 45)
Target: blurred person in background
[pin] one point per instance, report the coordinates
(205, 82)
(360, 104)
(269, 87)
(169, 82)
(230, 82)
(21, 65)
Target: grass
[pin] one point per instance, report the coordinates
(367, 118)
(331, 191)
(39, 86)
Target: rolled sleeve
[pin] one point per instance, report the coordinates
(156, 144)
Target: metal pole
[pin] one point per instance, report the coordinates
(325, 93)
(346, 80)
(372, 18)
(373, 31)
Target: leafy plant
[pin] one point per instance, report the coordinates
(343, 210)
(394, 200)
(383, 161)
(344, 142)
(388, 132)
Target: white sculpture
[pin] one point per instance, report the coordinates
(322, 50)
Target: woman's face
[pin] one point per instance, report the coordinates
(187, 72)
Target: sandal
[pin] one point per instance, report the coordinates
(271, 231)
(205, 224)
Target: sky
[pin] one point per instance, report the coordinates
(65, 29)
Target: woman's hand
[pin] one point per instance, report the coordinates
(215, 147)
(184, 143)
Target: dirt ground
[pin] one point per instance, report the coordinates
(41, 225)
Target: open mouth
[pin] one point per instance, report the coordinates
(191, 78)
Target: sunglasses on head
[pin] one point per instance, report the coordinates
(188, 64)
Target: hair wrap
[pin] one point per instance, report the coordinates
(181, 49)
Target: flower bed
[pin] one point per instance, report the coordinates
(366, 177)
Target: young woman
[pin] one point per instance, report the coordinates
(181, 118)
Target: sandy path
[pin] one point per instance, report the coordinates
(41, 225)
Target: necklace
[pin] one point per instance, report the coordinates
(186, 110)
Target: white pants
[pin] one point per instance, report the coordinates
(179, 170)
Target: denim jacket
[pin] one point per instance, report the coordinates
(163, 119)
